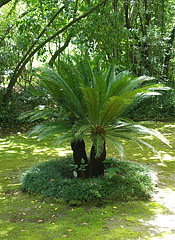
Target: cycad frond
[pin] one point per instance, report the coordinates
(113, 108)
(50, 129)
(91, 98)
(86, 72)
(132, 132)
(57, 85)
(39, 112)
(118, 145)
(124, 82)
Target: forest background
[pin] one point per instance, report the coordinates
(135, 35)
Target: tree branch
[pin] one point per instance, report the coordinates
(26, 58)
(60, 50)
(3, 2)
(39, 36)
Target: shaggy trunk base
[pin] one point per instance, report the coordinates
(96, 167)
(79, 153)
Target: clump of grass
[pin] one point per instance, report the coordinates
(54, 179)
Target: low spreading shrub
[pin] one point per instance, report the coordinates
(54, 179)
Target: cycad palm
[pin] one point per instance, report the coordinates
(93, 103)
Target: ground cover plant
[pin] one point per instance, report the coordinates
(24, 216)
(55, 179)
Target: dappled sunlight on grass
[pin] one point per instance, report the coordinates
(29, 217)
(163, 224)
(166, 157)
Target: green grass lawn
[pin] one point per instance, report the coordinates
(29, 217)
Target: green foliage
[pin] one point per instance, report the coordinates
(54, 179)
(159, 108)
(93, 101)
(21, 101)
(133, 34)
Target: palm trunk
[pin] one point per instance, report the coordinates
(79, 153)
(96, 167)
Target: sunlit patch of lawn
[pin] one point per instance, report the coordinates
(29, 217)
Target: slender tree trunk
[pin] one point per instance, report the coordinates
(96, 167)
(79, 153)
(60, 50)
(168, 54)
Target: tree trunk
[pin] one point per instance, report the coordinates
(168, 54)
(96, 167)
(79, 153)
(60, 50)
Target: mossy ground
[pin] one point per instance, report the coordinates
(29, 217)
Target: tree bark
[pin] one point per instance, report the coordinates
(96, 166)
(3, 2)
(168, 54)
(59, 51)
(79, 153)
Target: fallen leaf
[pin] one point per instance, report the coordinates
(85, 223)
(40, 221)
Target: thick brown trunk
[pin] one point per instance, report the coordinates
(96, 167)
(79, 153)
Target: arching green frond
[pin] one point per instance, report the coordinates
(117, 83)
(71, 75)
(50, 78)
(117, 145)
(101, 88)
(86, 72)
(124, 82)
(91, 98)
(42, 112)
(148, 90)
(113, 109)
(109, 76)
(127, 136)
(122, 129)
(134, 82)
(65, 137)
(50, 129)
(148, 131)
